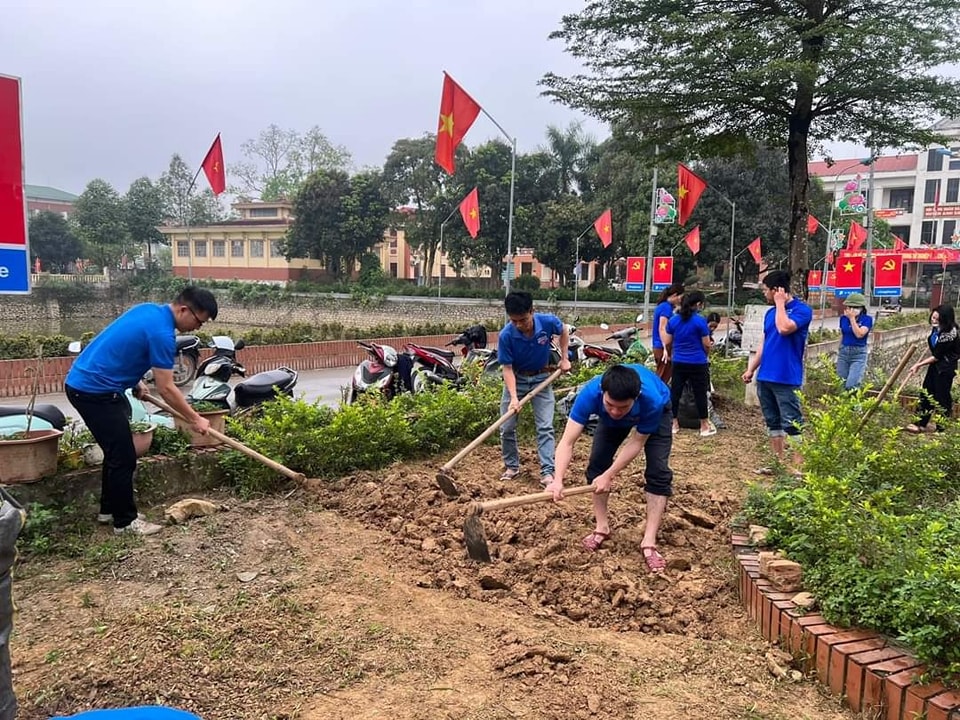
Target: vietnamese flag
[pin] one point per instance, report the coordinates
(856, 236)
(755, 250)
(457, 113)
(814, 280)
(470, 212)
(888, 272)
(662, 272)
(812, 224)
(849, 273)
(690, 187)
(693, 240)
(604, 227)
(213, 167)
(898, 244)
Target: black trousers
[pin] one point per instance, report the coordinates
(699, 378)
(939, 386)
(107, 418)
(657, 474)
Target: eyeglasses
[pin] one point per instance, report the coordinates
(195, 316)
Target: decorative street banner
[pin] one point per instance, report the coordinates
(636, 274)
(662, 272)
(831, 280)
(888, 274)
(666, 210)
(814, 278)
(942, 255)
(14, 253)
(853, 201)
(849, 275)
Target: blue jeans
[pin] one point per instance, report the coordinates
(780, 405)
(543, 407)
(851, 365)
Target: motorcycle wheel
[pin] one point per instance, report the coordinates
(184, 369)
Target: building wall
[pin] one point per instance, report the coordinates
(37, 206)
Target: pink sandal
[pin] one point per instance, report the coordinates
(653, 559)
(594, 541)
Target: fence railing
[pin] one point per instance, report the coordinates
(78, 279)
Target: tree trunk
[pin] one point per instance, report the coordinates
(799, 186)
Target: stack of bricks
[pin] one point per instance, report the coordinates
(872, 675)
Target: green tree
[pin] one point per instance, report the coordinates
(709, 78)
(338, 219)
(278, 161)
(101, 222)
(52, 240)
(143, 206)
(563, 220)
(569, 149)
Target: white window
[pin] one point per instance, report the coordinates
(256, 248)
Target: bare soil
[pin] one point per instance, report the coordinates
(356, 599)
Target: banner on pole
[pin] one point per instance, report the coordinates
(662, 272)
(814, 279)
(666, 211)
(636, 274)
(888, 274)
(849, 275)
(14, 250)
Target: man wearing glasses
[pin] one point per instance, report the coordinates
(141, 339)
(632, 405)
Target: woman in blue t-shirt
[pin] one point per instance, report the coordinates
(666, 304)
(855, 325)
(686, 341)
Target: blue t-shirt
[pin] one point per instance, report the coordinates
(782, 360)
(848, 339)
(646, 413)
(688, 338)
(664, 309)
(152, 712)
(528, 354)
(143, 337)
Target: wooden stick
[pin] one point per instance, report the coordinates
(235, 444)
(887, 385)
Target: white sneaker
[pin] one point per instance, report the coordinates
(139, 527)
(107, 519)
(711, 430)
(546, 481)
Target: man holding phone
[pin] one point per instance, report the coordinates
(778, 364)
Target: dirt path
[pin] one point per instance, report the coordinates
(359, 602)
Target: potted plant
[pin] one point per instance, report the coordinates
(142, 436)
(216, 414)
(30, 454)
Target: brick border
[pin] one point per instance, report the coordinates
(872, 675)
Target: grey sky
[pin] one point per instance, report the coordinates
(113, 89)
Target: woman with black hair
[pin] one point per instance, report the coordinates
(687, 341)
(666, 305)
(944, 344)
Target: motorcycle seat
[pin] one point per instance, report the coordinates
(267, 380)
(185, 341)
(51, 413)
(448, 355)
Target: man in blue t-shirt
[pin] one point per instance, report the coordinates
(141, 339)
(780, 363)
(630, 401)
(523, 350)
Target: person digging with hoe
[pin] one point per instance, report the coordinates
(141, 339)
(633, 405)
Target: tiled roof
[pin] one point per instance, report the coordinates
(889, 163)
(43, 192)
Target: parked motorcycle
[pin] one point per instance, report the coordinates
(385, 371)
(473, 348)
(186, 361)
(729, 344)
(431, 366)
(14, 419)
(214, 375)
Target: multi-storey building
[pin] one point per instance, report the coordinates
(41, 198)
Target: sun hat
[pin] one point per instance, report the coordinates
(855, 300)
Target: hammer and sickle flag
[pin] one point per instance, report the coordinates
(889, 274)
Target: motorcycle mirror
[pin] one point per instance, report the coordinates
(74, 347)
(239, 345)
(604, 326)
(640, 317)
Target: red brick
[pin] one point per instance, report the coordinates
(842, 667)
(780, 625)
(873, 685)
(940, 706)
(811, 644)
(856, 678)
(739, 541)
(766, 611)
(915, 701)
(895, 691)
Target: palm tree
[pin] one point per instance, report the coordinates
(568, 148)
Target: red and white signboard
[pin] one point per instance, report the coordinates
(14, 254)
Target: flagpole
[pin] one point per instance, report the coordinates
(513, 182)
(648, 280)
(576, 268)
(440, 263)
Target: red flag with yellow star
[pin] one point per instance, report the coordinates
(604, 227)
(856, 236)
(693, 240)
(849, 273)
(756, 251)
(690, 187)
(457, 112)
(213, 167)
(470, 212)
(662, 272)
